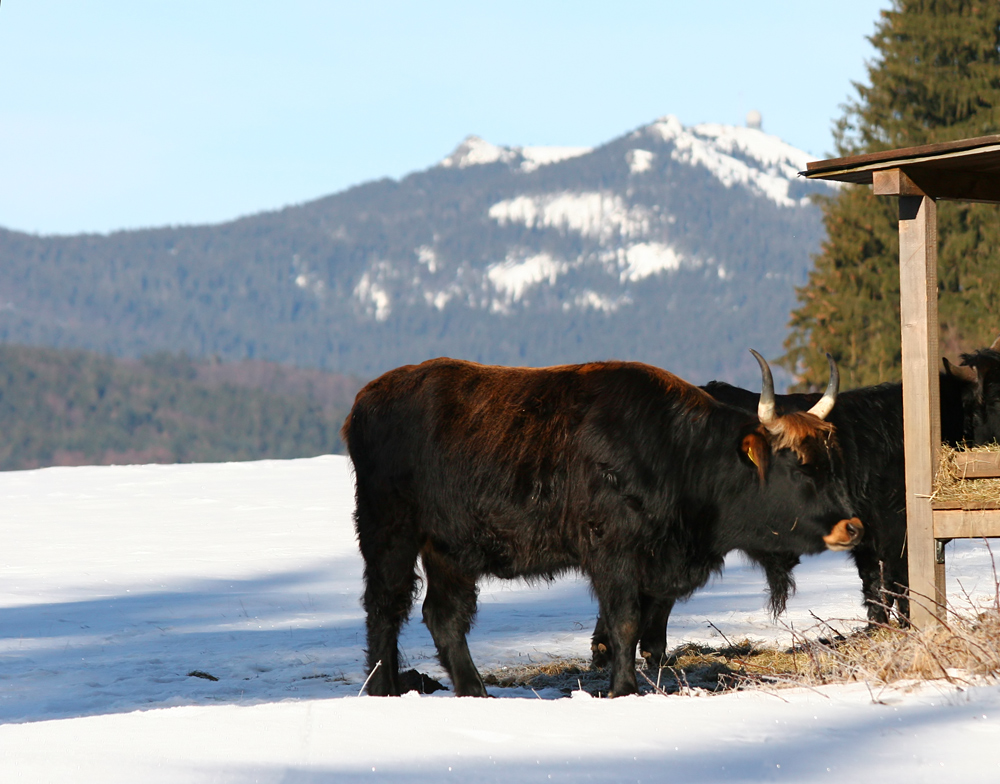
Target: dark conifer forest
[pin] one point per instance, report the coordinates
(936, 78)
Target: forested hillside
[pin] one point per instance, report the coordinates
(61, 407)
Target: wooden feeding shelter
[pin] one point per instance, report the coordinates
(964, 170)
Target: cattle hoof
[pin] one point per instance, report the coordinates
(654, 661)
(411, 680)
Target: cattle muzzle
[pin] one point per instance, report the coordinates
(845, 534)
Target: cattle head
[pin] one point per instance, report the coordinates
(804, 497)
(983, 415)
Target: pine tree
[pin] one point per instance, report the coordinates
(936, 78)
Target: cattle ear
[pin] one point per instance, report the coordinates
(757, 450)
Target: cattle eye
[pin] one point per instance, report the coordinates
(807, 471)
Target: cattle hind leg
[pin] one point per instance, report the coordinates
(655, 614)
(449, 609)
(600, 644)
(390, 588)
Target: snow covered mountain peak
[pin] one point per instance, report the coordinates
(475, 151)
(750, 142)
(734, 155)
(614, 222)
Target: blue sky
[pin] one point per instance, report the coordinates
(124, 114)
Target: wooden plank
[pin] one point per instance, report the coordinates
(970, 178)
(966, 505)
(966, 524)
(978, 465)
(902, 155)
(921, 409)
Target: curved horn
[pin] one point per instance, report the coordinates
(961, 372)
(824, 405)
(765, 408)
(996, 345)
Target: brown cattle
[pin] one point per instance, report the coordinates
(620, 470)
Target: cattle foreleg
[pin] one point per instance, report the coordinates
(449, 609)
(897, 582)
(873, 585)
(620, 611)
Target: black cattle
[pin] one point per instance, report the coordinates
(869, 423)
(621, 470)
(981, 395)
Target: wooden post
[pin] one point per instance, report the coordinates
(921, 396)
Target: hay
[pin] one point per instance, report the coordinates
(692, 669)
(965, 647)
(952, 488)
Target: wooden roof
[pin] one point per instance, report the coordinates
(967, 170)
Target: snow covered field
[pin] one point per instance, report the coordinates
(117, 583)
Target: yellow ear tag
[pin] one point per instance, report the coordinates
(750, 455)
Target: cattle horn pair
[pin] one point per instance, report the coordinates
(765, 408)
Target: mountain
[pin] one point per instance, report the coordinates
(675, 245)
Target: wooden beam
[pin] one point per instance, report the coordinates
(978, 465)
(894, 182)
(940, 184)
(958, 186)
(966, 524)
(921, 409)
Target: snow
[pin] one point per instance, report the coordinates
(648, 258)
(117, 582)
(513, 276)
(536, 157)
(440, 299)
(474, 151)
(371, 292)
(596, 214)
(427, 257)
(639, 160)
(734, 155)
(594, 301)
